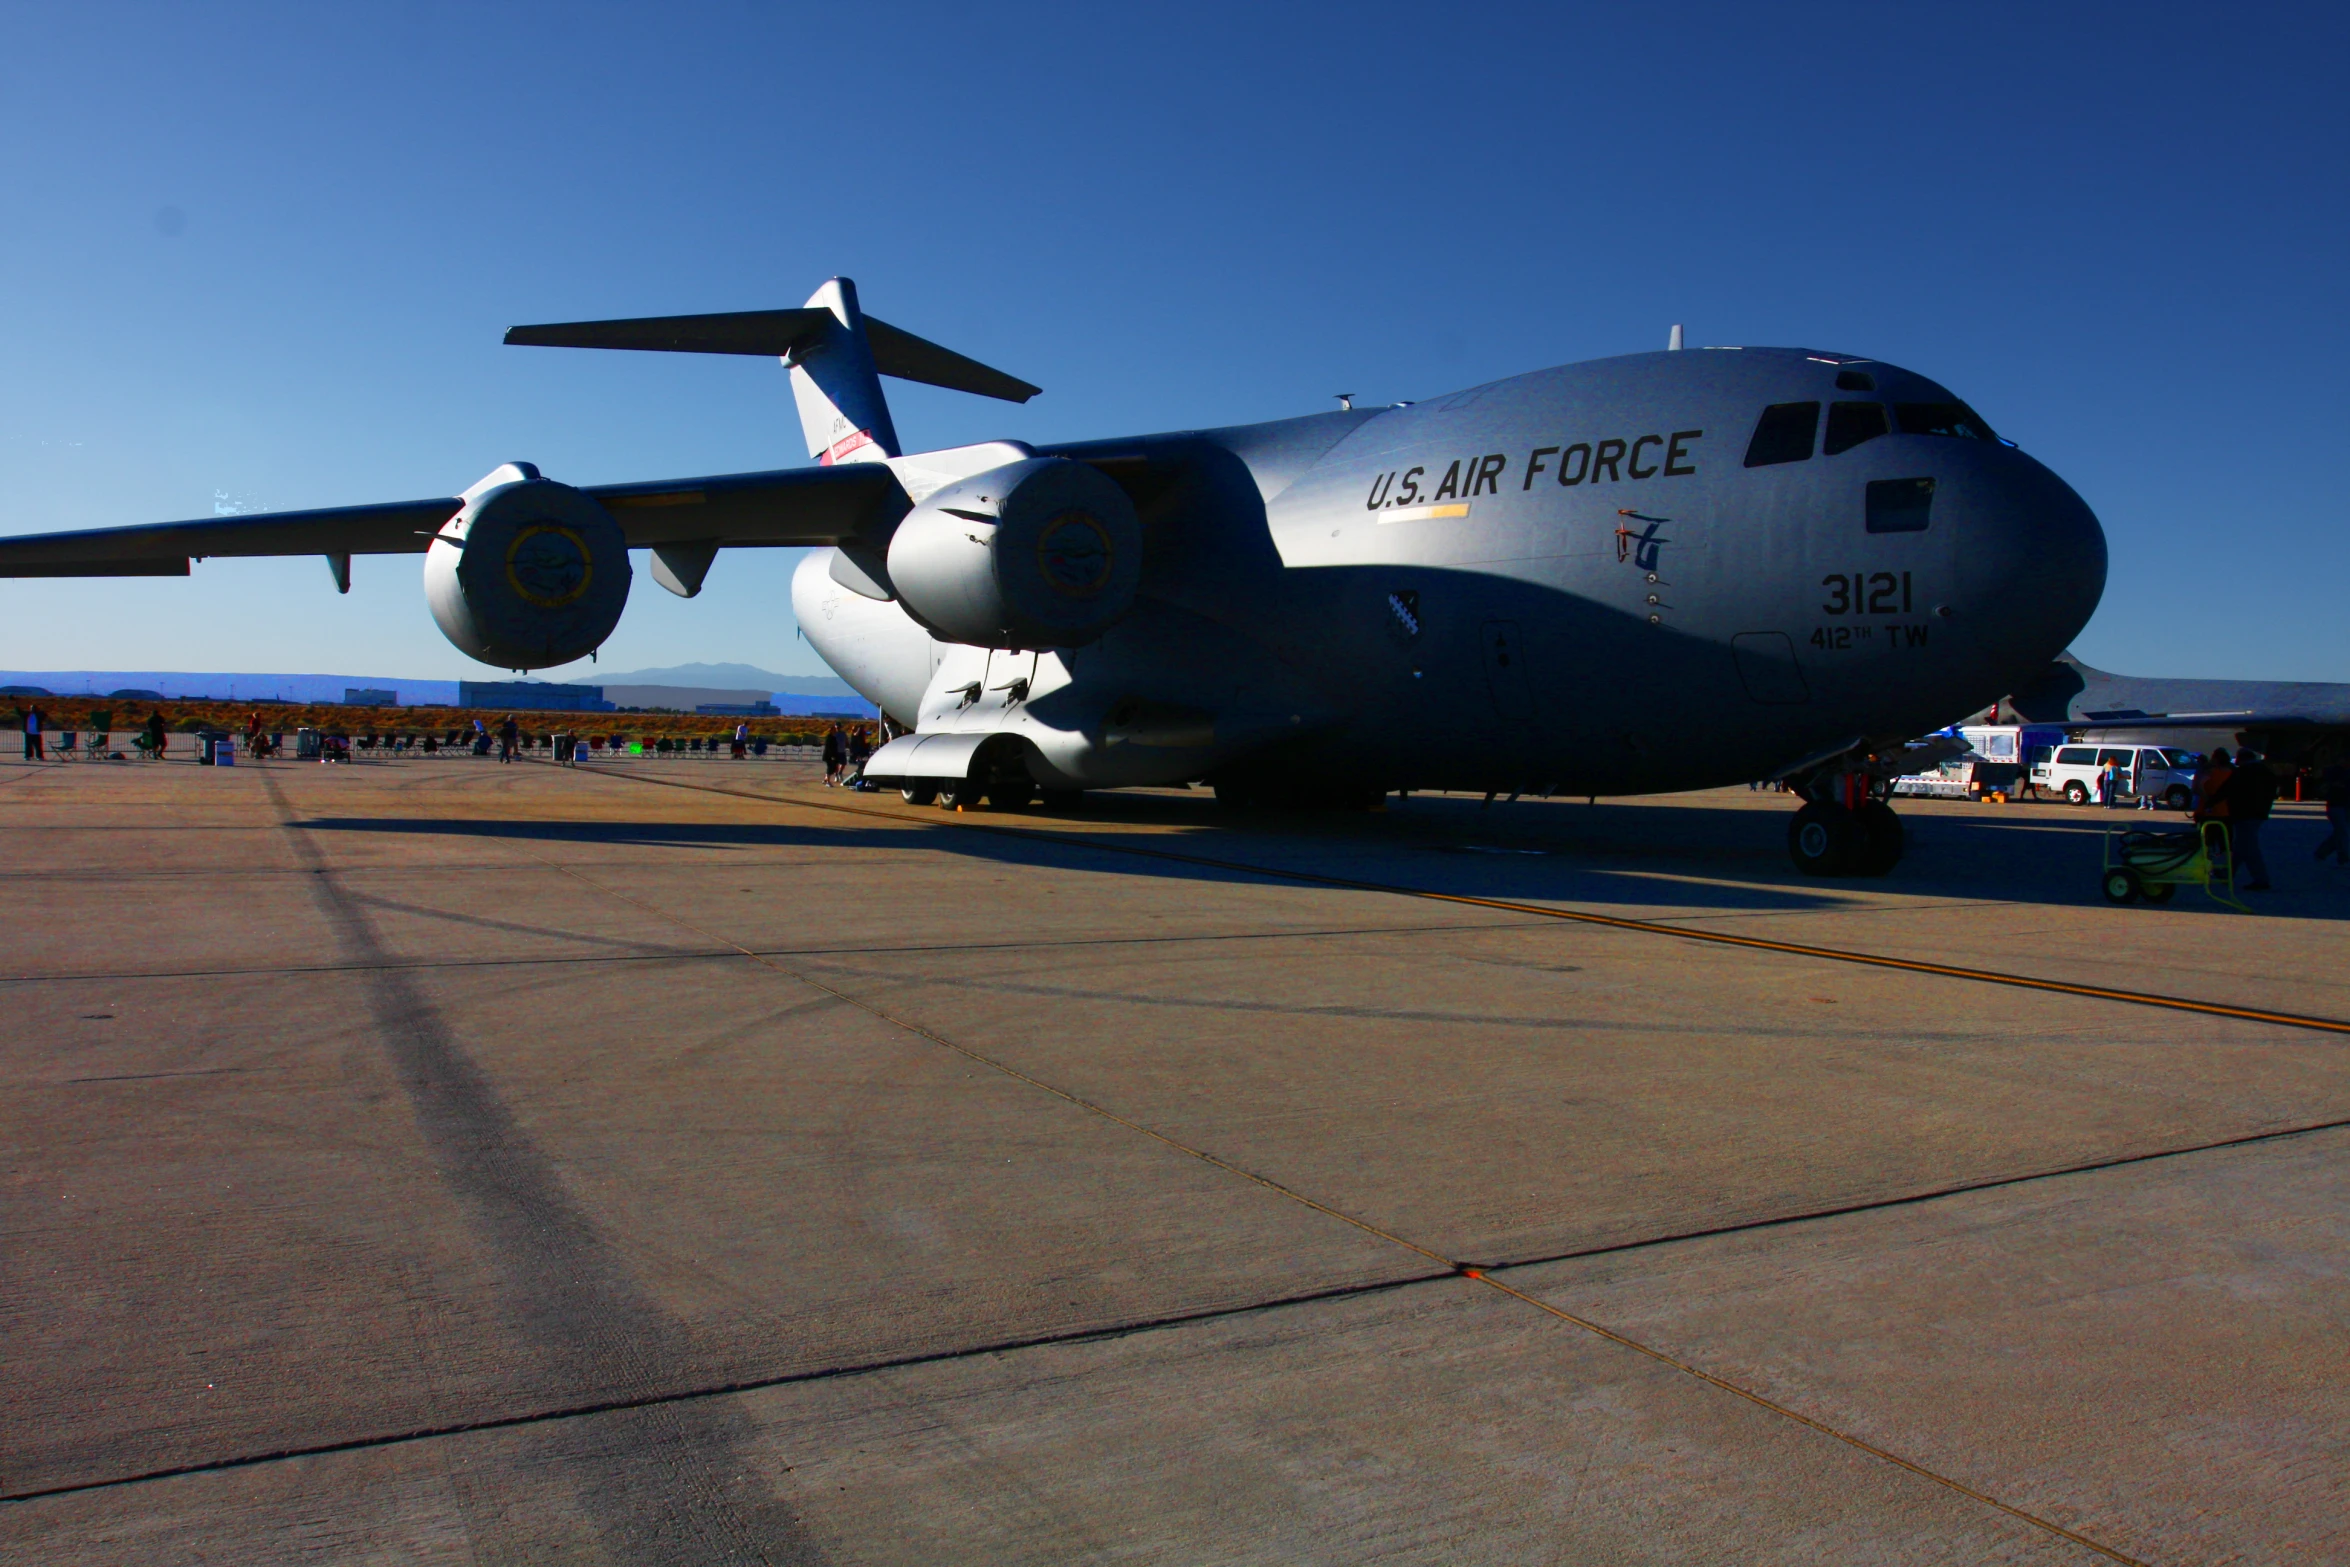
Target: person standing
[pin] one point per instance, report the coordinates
(860, 750)
(2250, 790)
(508, 733)
(2337, 798)
(836, 754)
(2211, 785)
(742, 740)
(32, 734)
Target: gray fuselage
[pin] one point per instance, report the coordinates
(1572, 580)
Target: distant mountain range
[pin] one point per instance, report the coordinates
(740, 677)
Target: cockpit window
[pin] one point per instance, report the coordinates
(1849, 424)
(1784, 434)
(1955, 419)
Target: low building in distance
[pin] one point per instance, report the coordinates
(537, 696)
(370, 696)
(739, 709)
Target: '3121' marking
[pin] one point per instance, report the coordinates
(1878, 593)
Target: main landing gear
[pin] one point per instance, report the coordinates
(1849, 832)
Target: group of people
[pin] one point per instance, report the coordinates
(154, 737)
(846, 751)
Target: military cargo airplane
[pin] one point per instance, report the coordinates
(1654, 572)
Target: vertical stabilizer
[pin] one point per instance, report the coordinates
(842, 411)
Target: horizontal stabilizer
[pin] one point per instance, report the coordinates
(775, 334)
(910, 358)
(768, 333)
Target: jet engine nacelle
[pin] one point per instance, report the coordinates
(529, 574)
(1038, 554)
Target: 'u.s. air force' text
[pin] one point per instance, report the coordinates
(1612, 461)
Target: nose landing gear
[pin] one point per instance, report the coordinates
(1848, 832)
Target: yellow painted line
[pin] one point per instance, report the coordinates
(1423, 513)
(2141, 998)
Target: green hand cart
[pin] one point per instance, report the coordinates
(2153, 865)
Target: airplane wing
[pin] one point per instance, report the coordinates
(2102, 722)
(789, 506)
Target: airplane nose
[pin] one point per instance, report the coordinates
(2031, 562)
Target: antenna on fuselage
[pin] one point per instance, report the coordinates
(1345, 399)
(1673, 342)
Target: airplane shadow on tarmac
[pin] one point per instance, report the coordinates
(1666, 856)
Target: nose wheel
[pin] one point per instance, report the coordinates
(1830, 840)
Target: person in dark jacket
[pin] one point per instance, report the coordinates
(2337, 797)
(2250, 790)
(836, 754)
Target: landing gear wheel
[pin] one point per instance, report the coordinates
(959, 793)
(1823, 840)
(1881, 839)
(2121, 886)
(1066, 800)
(2158, 892)
(918, 791)
(2076, 793)
(1011, 794)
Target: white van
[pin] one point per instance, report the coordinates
(2164, 774)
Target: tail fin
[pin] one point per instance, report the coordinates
(838, 388)
(836, 353)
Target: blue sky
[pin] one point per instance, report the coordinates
(265, 254)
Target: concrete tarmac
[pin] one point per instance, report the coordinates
(682, 1162)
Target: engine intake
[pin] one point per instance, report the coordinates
(529, 574)
(1038, 554)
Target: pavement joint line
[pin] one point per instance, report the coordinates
(734, 1387)
(2324, 1025)
(109, 976)
(140, 1077)
(1774, 1406)
(1457, 1268)
(1918, 1198)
